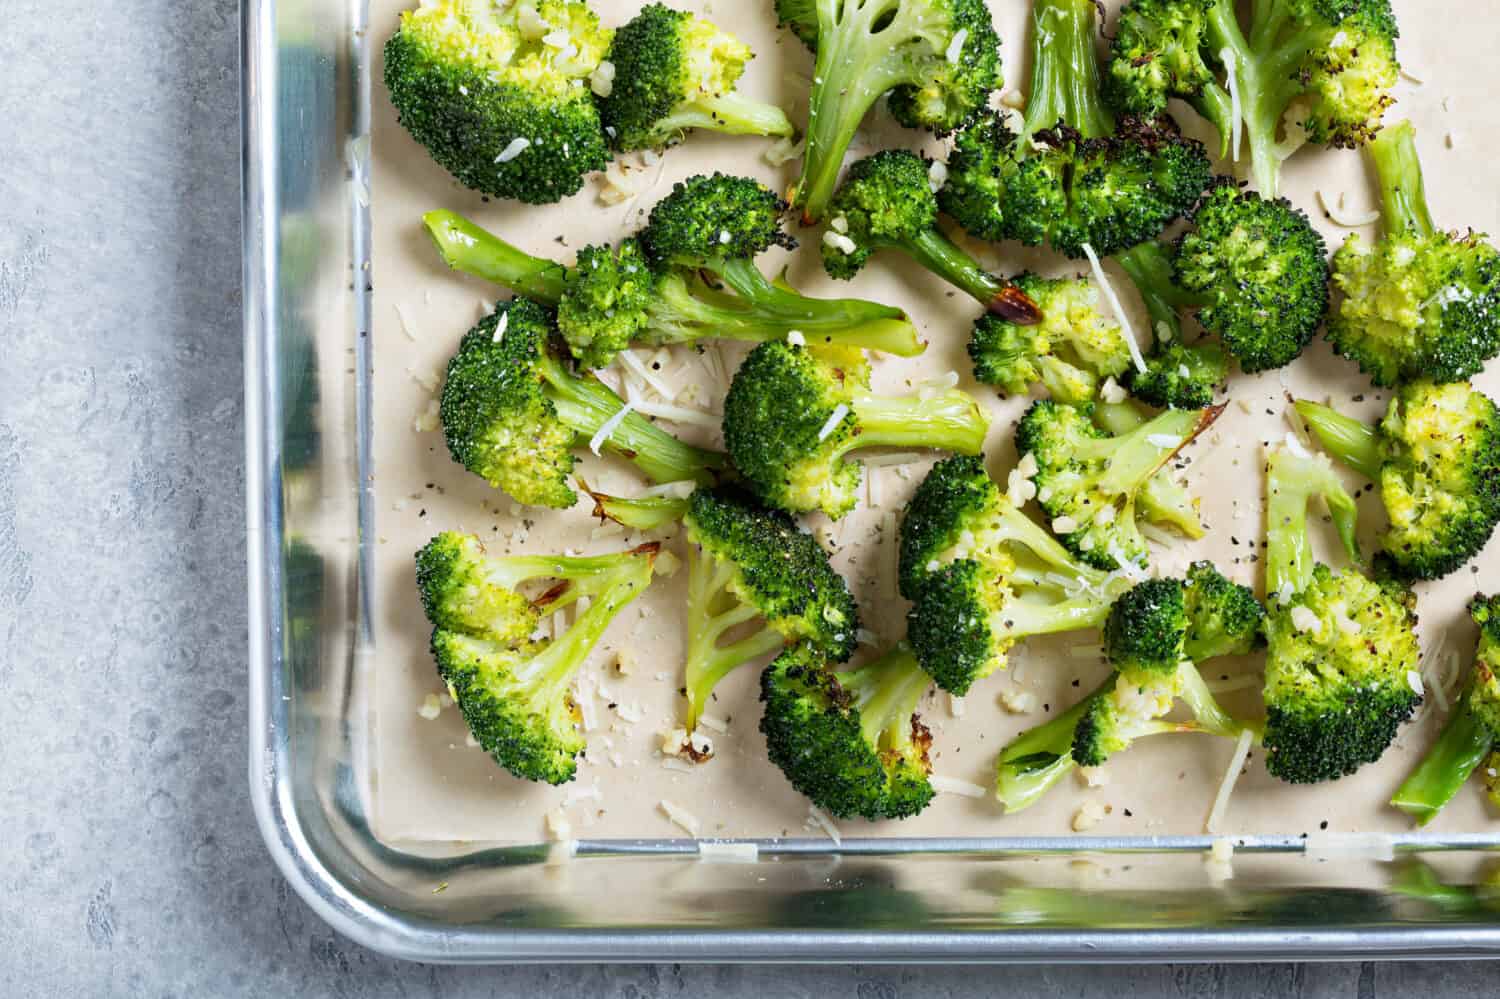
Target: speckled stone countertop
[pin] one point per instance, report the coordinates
(131, 865)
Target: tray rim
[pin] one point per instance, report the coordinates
(338, 901)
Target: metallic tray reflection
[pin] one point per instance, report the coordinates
(306, 108)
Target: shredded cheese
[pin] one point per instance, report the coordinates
(952, 785)
(515, 148)
(1236, 109)
(608, 428)
(819, 819)
(956, 45)
(1348, 220)
(832, 423)
(1231, 777)
(1113, 299)
(680, 817)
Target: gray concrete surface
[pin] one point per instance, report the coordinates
(130, 864)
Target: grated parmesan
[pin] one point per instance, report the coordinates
(515, 148)
(952, 785)
(840, 242)
(817, 818)
(1236, 109)
(1231, 777)
(680, 816)
(832, 423)
(609, 427)
(956, 45)
(1113, 299)
(1339, 217)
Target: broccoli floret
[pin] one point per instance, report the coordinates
(1436, 456)
(982, 576)
(938, 59)
(886, 202)
(612, 298)
(485, 87)
(674, 71)
(512, 414)
(1473, 730)
(1178, 375)
(1073, 177)
(1316, 70)
(513, 690)
(1163, 500)
(644, 513)
(1149, 640)
(1342, 648)
(850, 741)
(752, 564)
(1069, 351)
(1088, 481)
(794, 413)
(1420, 303)
(1259, 271)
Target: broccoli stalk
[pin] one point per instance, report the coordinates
(1472, 732)
(1065, 71)
(1342, 648)
(612, 299)
(1156, 634)
(1436, 457)
(793, 414)
(1324, 70)
(513, 691)
(1421, 303)
(939, 59)
(850, 741)
(886, 202)
(674, 72)
(748, 565)
(1163, 500)
(512, 414)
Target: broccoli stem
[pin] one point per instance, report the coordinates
(1351, 441)
(1021, 618)
(585, 575)
(947, 260)
(1265, 79)
(551, 670)
(713, 612)
(861, 55)
(1162, 500)
(950, 421)
(887, 692)
(1137, 456)
(466, 247)
(585, 405)
(1293, 481)
(1207, 713)
(1461, 747)
(731, 114)
(648, 513)
(1403, 193)
(1038, 758)
(774, 308)
(1150, 269)
(1065, 71)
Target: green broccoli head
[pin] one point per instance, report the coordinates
(1179, 375)
(511, 414)
(1224, 618)
(982, 576)
(938, 59)
(1261, 269)
(982, 189)
(1440, 481)
(607, 302)
(793, 413)
(1484, 690)
(756, 564)
(514, 691)
(1069, 351)
(486, 89)
(1325, 66)
(674, 71)
(851, 741)
(1129, 707)
(709, 220)
(1088, 482)
(497, 418)
(1339, 676)
(1147, 628)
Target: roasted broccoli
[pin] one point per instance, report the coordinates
(1436, 456)
(850, 741)
(886, 202)
(938, 59)
(1155, 635)
(1088, 481)
(498, 93)
(982, 576)
(1175, 374)
(1069, 351)
(1342, 648)
(751, 564)
(1472, 733)
(674, 71)
(612, 298)
(513, 689)
(1420, 303)
(1163, 500)
(512, 414)
(1298, 71)
(794, 413)
(1072, 177)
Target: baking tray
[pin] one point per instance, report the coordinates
(311, 561)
